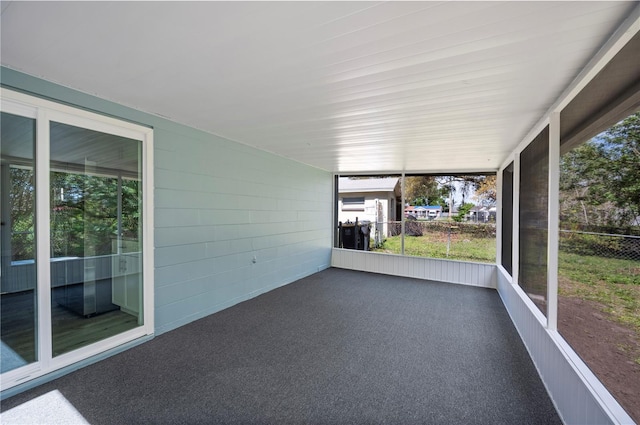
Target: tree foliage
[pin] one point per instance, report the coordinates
(486, 190)
(423, 190)
(84, 216)
(84, 213)
(463, 211)
(600, 180)
(442, 190)
(22, 199)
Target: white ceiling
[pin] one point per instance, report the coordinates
(343, 86)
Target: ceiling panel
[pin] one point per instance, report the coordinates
(342, 86)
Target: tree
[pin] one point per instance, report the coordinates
(22, 199)
(486, 190)
(422, 190)
(600, 180)
(84, 216)
(482, 187)
(582, 186)
(462, 212)
(623, 143)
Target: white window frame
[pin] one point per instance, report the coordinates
(45, 111)
(353, 205)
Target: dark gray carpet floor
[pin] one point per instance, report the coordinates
(338, 347)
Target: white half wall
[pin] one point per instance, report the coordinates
(578, 395)
(474, 274)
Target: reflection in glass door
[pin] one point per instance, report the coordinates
(18, 309)
(76, 273)
(95, 222)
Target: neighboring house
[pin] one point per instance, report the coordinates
(426, 212)
(482, 214)
(370, 199)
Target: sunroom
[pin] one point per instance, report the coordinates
(167, 162)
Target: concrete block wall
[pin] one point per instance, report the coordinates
(232, 222)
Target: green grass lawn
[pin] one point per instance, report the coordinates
(434, 245)
(611, 282)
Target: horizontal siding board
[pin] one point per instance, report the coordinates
(217, 203)
(475, 274)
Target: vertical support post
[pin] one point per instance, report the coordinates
(336, 206)
(515, 254)
(89, 261)
(553, 217)
(147, 228)
(5, 216)
(119, 216)
(402, 223)
(498, 216)
(43, 240)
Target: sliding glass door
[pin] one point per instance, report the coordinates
(96, 288)
(76, 236)
(18, 295)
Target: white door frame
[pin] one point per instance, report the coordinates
(44, 111)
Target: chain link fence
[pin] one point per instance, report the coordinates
(469, 229)
(581, 242)
(607, 245)
(438, 239)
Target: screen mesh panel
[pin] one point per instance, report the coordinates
(507, 219)
(534, 185)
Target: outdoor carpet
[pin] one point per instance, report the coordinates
(337, 347)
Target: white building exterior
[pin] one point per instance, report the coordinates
(430, 212)
(369, 199)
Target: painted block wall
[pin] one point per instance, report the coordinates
(221, 206)
(218, 205)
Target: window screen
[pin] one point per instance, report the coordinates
(534, 185)
(353, 203)
(507, 219)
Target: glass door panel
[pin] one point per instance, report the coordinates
(18, 294)
(96, 213)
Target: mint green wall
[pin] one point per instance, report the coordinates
(218, 204)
